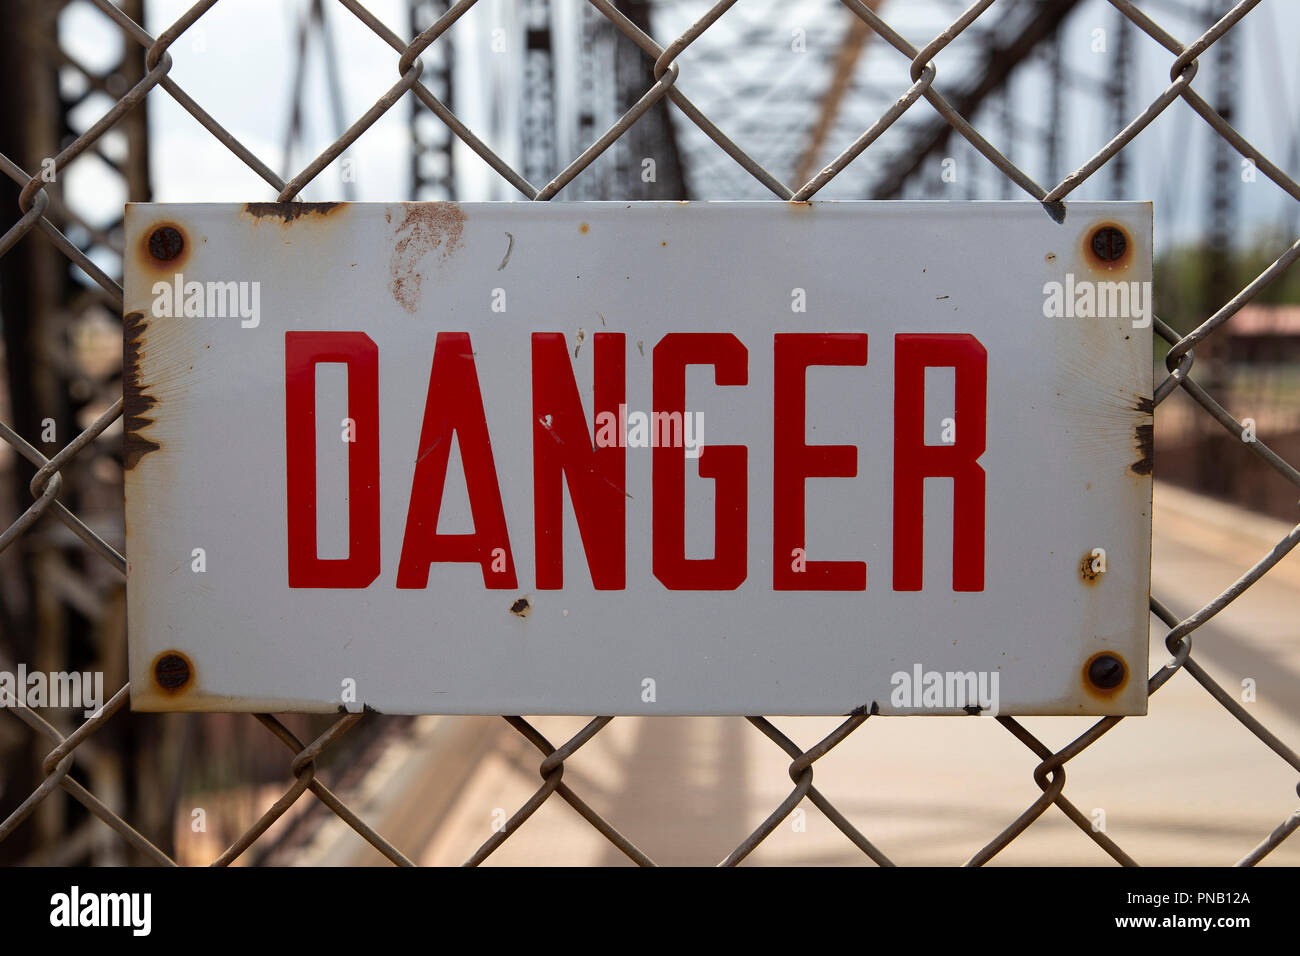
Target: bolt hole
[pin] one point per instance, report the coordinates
(1106, 671)
(166, 243)
(1109, 244)
(171, 671)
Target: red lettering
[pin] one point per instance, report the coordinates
(725, 464)
(455, 407)
(794, 461)
(562, 446)
(914, 460)
(303, 351)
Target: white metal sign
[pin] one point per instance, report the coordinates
(659, 458)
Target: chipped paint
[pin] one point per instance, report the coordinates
(287, 212)
(1144, 437)
(427, 228)
(864, 710)
(136, 400)
(1144, 440)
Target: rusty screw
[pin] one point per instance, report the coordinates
(166, 242)
(1106, 672)
(171, 671)
(1108, 244)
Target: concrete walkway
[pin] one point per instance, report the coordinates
(1185, 785)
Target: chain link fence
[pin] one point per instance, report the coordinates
(59, 768)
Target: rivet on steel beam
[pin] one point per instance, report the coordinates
(1108, 244)
(171, 671)
(166, 242)
(1106, 671)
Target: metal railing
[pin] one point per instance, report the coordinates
(1049, 775)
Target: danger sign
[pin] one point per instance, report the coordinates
(652, 458)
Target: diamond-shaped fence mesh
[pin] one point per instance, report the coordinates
(69, 753)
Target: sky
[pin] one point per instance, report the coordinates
(763, 98)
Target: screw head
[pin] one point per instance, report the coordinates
(1108, 244)
(171, 671)
(1106, 671)
(166, 242)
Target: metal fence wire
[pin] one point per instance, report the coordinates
(60, 765)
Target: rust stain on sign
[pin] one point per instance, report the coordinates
(1117, 677)
(433, 227)
(173, 672)
(1107, 247)
(136, 402)
(167, 237)
(1144, 438)
(287, 212)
